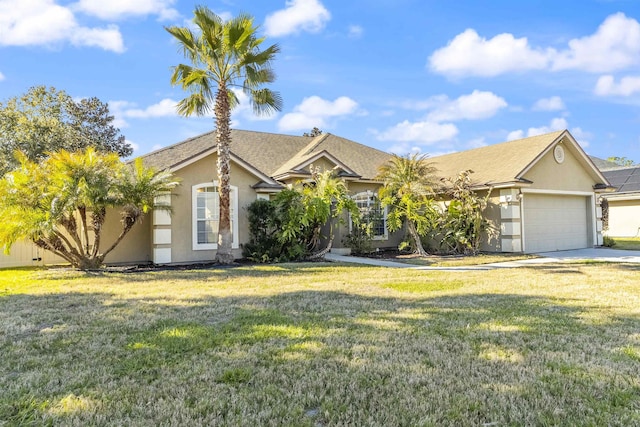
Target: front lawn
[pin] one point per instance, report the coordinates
(321, 345)
(627, 243)
(461, 260)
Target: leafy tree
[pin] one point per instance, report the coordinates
(408, 191)
(314, 132)
(57, 203)
(462, 221)
(620, 161)
(47, 120)
(223, 55)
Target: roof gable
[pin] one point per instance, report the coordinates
(270, 155)
(507, 163)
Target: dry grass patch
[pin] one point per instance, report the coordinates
(462, 260)
(321, 345)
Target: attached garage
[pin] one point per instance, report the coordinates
(543, 193)
(555, 222)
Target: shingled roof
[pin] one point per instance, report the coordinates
(507, 163)
(626, 180)
(498, 163)
(274, 154)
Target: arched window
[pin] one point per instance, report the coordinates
(206, 215)
(372, 212)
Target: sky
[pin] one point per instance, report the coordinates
(399, 75)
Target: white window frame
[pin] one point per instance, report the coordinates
(371, 195)
(194, 217)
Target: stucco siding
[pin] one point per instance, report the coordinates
(181, 202)
(135, 247)
(490, 241)
(570, 175)
(624, 218)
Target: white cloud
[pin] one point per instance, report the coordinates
(607, 86)
(42, 22)
(581, 136)
(118, 9)
(475, 106)
(133, 145)
(123, 110)
(516, 134)
(614, 46)
(423, 132)
(299, 15)
(2, 77)
(469, 54)
(315, 111)
(355, 31)
(558, 123)
(553, 103)
(164, 108)
(477, 143)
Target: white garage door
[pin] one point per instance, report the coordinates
(554, 223)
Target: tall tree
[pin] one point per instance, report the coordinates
(56, 203)
(223, 55)
(408, 190)
(47, 120)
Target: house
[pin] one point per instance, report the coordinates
(544, 192)
(261, 165)
(624, 204)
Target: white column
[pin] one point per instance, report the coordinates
(162, 230)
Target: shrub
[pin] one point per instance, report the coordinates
(360, 239)
(607, 241)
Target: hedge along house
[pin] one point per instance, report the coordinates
(624, 203)
(544, 192)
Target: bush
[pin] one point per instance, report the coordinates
(607, 241)
(359, 240)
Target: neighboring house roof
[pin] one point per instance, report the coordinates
(275, 154)
(603, 164)
(626, 180)
(507, 163)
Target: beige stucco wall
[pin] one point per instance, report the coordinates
(624, 218)
(135, 247)
(491, 236)
(196, 173)
(570, 175)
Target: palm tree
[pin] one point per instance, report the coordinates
(223, 55)
(408, 190)
(57, 202)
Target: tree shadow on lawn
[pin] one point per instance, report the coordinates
(315, 358)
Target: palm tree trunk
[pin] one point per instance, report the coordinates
(416, 238)
(223, 140)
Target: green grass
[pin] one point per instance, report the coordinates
(627, 243)
(321, 345)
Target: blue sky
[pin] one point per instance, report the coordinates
(399, 75)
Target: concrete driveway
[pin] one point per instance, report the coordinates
(598, 254)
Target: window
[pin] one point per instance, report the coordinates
(206, 216)
(372, 213)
